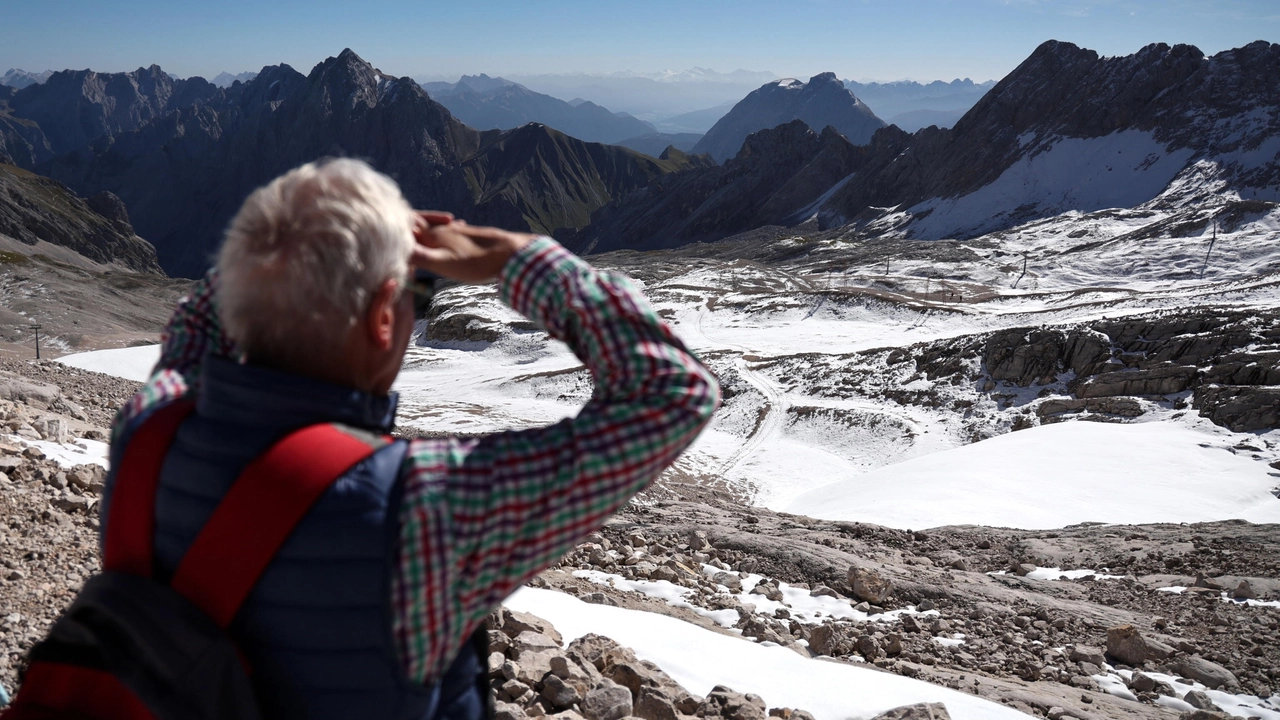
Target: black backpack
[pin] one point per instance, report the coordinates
(133, 648)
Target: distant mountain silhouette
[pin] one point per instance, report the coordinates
(821, 102)
(776, 175)
(655, 143)
(225, 79)
(913, 120)
(183, 155)
(19, 79)
(912, 105)
(487, 103)
(698, 121)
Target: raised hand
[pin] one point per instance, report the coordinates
(467, 253)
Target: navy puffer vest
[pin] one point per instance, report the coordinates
(316, 629)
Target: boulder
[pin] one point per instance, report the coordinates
(918, 711)
(723, 702)
(534, 666)
(507, 711)
(663, 703)
(515, 622)
(563, 693)
(530, 641)
(590, 649)
(1244, 591)
(1211, 674)
(869, 585)
(1198, 700)
(1126, 644)
(607, 701)
(729, 580)
(825, 640)
(1024, 356)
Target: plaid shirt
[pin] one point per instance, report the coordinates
(481, 516)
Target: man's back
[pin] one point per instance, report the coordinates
(370, 604)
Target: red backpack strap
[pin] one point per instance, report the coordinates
(258, 514)
(131, 521)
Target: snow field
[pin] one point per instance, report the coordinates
(699, 659)
(133, 363)
(1056, 475)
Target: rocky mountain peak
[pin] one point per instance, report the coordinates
(822, 101)
(826, 78)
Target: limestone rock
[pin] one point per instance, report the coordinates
(919, 711)
(1126, 644)
(607, 701)
(1211, 674)
(869, 585)
(723, 702)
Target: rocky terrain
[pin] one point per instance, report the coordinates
(1152, 620)
(33, 208)
(821, 102)
(966, 607)
(48, 506)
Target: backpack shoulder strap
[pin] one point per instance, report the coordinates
(131, 519)
(259, 513)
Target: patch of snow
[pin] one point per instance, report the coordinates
(68, 455)
(1057, 475)
(133, 363)
(1239, 705)
(1120, 170)
(1058, 574)
(699, 659)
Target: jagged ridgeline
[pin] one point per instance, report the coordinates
(1163, 142)
(183, 154)
(1169, 137)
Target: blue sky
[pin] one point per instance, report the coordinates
(858, 39)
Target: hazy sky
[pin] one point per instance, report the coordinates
(858, 39)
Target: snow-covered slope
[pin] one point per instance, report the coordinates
(1058, 475)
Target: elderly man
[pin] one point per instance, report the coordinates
(368, 608)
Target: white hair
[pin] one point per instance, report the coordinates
(305, 255)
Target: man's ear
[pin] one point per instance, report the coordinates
(382, 315)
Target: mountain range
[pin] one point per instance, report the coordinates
(821, 102)
(487, 103)
(226, 79)
(1168, 136)
(912, 105)
(182, 154)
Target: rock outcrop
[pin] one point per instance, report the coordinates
(34, 209)
(774, 178)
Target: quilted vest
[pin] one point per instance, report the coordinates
(316, 630)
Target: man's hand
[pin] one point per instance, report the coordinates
(453, 249)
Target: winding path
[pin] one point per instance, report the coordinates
(770, 426)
